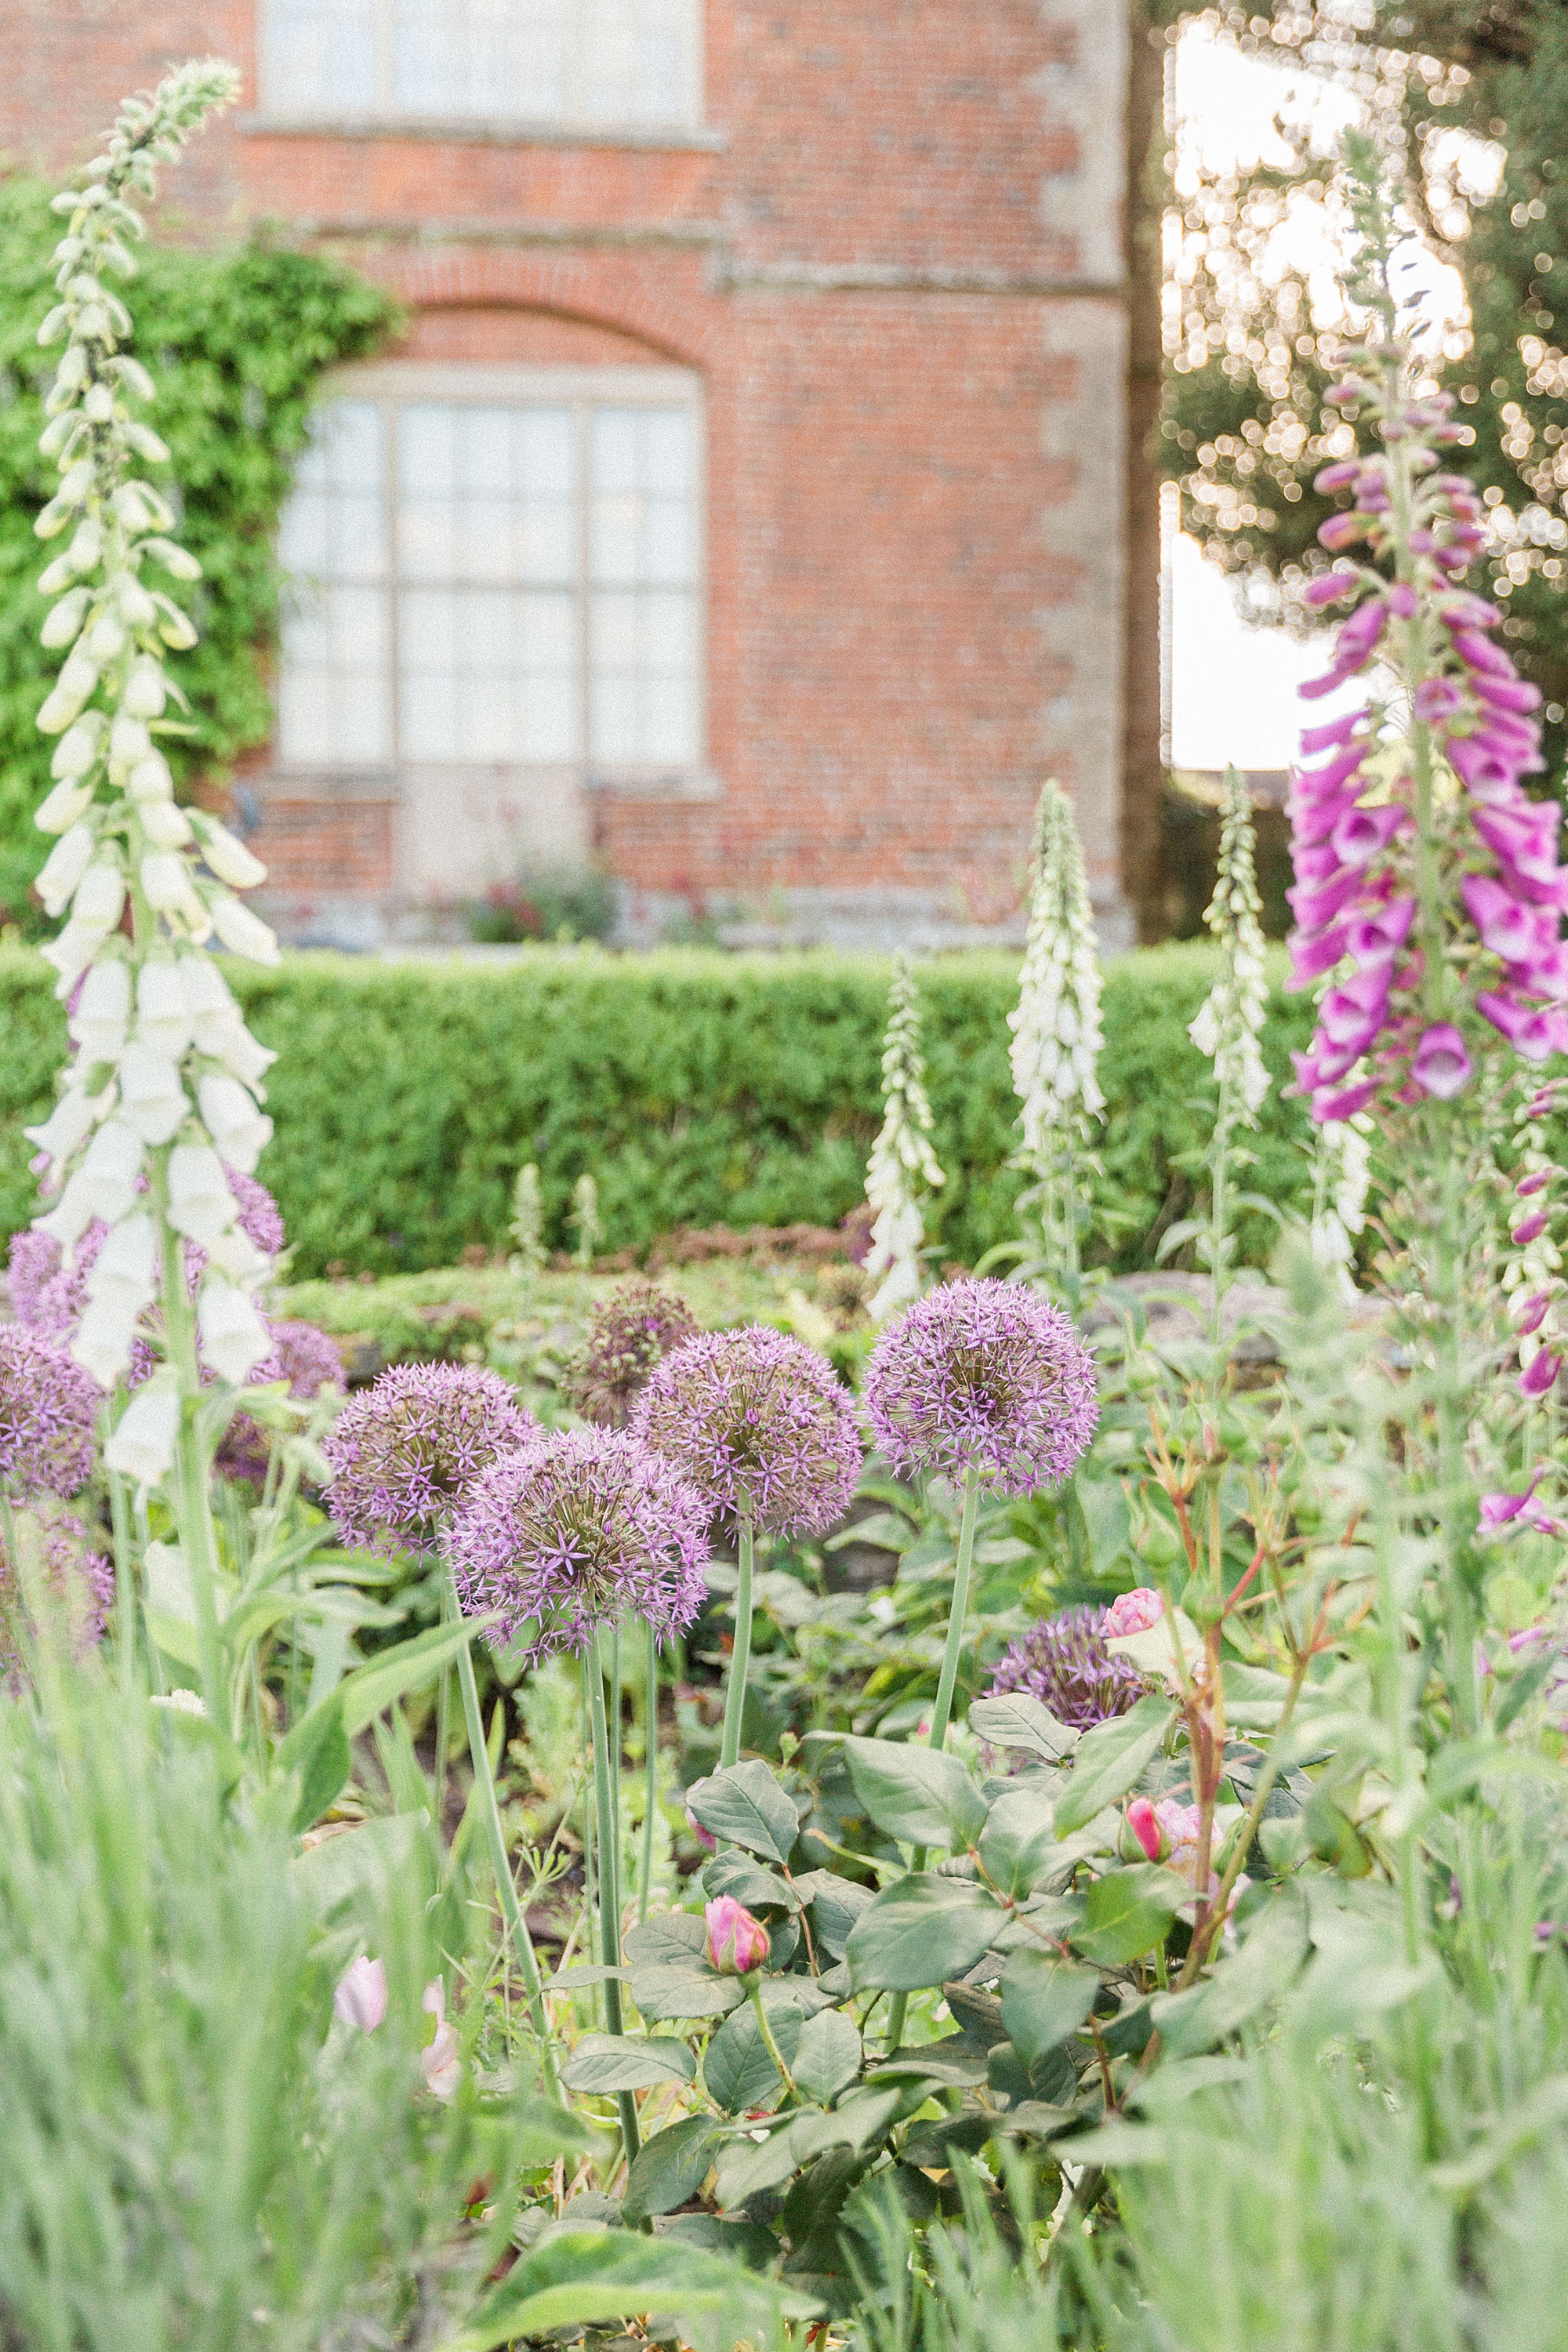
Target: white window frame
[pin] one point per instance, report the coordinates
(392, 383)
(386, 110)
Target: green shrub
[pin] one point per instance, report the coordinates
(698, 1087)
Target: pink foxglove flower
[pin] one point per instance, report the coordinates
(441, 2064)
(737, 1943)
(361, 1996)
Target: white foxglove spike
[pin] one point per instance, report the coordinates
(143, 1447)
(238, 1129)
(235, 1339)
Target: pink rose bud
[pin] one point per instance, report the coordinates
(361, 1996)
(705, 1838)
(1132, 1613)
(737, 1944)
(1144, 1824)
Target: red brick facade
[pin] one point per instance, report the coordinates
(892, 253)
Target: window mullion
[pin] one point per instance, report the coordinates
(585, 585)
(388, 411)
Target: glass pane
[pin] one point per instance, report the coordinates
(488, 674)
(333, 526)
(333, 702)
(644, 694)
(639, 59)
(318, 56)
(644, 523)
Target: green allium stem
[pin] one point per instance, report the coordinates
(650, 1792)
(610, 1896)
(740, 1656)
(124, 1571)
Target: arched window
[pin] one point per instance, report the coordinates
(594, 64)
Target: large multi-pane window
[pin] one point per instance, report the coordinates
(586, 62)
(510, 580)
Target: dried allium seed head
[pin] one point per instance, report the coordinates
(406, 1453)
(752, 1416)
(48, 1412)
(629, 1333)
(581, 1529)
(983, 1375)
(1063, 1661)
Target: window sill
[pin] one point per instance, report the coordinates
(488, 131)
(300, 783)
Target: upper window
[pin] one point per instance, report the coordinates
(593, 63)
(484, 579)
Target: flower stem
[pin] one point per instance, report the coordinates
(941, 1712)
(609, 1903)
(754, 1987)
(198, 1536)
(124, 1571)
(650, 1792)
(495, 1837)
(740, 1656)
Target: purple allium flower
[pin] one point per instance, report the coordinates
(1063, 1661)
(753, 1418)
(35, 1260)
(629, 1332)
(310, 1362)
(77, 1580)
(260, 1218)
(48, 1414)
(406, 1453)
(577, 1530)
(984, 1375)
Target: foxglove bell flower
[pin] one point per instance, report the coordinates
(983, 1375)
(407, 1450)
(901, 1157)
(1055, 1028)
(755, 1421)
(579, 1529)
(359, 1998)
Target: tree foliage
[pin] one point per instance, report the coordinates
(1247, 359)
(237, 340)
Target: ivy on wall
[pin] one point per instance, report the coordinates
(237, 340)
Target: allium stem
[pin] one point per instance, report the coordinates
(740, 1656)
(506, 1890)
(650, 1792)
(609, 1894)
(198, 1536)
(941, 1712)
(124, 1571)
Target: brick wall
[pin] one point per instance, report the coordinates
(894, 255)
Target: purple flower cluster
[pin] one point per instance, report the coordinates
(578, 1531)
(1064, 1663)
(983, 1375)
(628, 1334)
(405, 1453)
(1354, 904)
(310, 1362)
(48, 1414)
(79, 1581)
(753, 1420)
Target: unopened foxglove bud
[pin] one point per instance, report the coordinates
(102, 1010)
(78, 677)
(78, 747)
(67, 1127)
(63, 807)
(201, 1205)
(164, 824)
(230, 1117)
(63, 623)
(148, 782)
(169, 890)
(100, 898)
(142, 1447)
(234, 1338)
(229, 859)
(105, 640)
(64, 866)
(128, 739)
(70, 952)
(235, 1253)
(151, 1100)
(145, 692)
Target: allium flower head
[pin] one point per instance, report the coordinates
(984, 1375)
(750, 1417)
(1063, 1661)
(578, 1531)
(48, 1411)
(310, 1362)
(406, 1453)
(78, 1581)
(628, 1334)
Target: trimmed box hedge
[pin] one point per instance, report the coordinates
(698, 1087)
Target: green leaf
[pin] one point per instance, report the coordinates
(887, 1530)
(584, 2278)
(357, 1863)
(737, 2070)
(1044, 2001)
(667, 1939)
(920, 1930)
(324, 1770)
(954, 2062)
(662, 1993)
(1016, 1720)
(671, 2167)
(749, 1883)
(917, 1793)
(745, 2168)
(835, 1903)
(827, 2059)
(1018, 1845)
(1270, 1958)
(410, 1667)
(1127, 1912)
(746, 1804)
(1110, 1759)
(613, 2062)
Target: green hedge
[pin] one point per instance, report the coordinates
(699, 1089)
